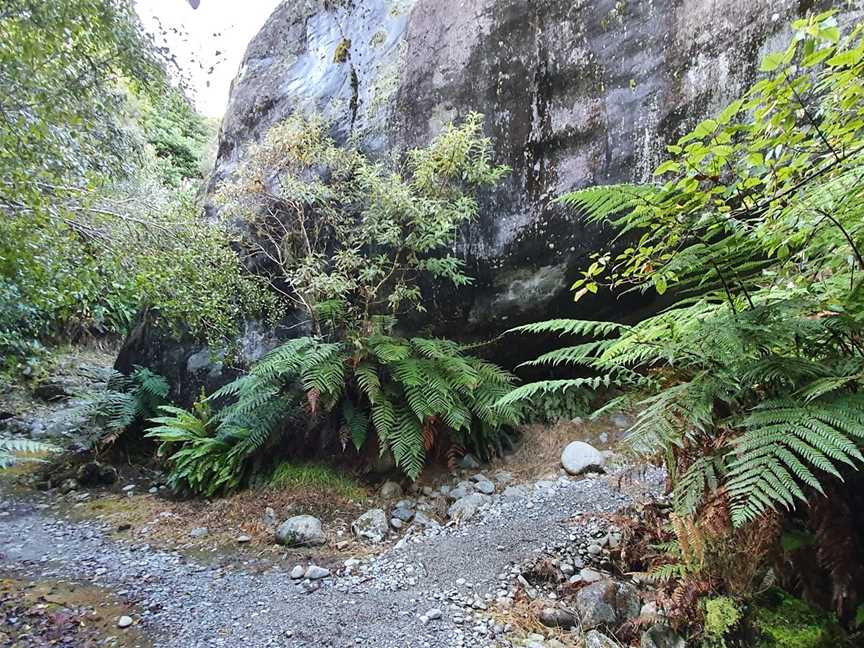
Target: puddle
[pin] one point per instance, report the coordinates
(63, 614)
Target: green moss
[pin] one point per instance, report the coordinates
(343, 49)
(721, 616)
(785, 621)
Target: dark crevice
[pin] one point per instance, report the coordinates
(355, 95)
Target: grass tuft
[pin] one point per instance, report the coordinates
(318, 478)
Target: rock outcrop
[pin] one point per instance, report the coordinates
(575, 93)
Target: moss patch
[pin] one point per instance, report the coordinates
(721, 616)
(783, 620)
(343, 50)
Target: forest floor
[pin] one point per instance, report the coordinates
(183, 601)
(71, 566)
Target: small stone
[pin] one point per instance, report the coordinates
(301, 531)
(199, 532)
(68, 486)
(390, 490)
(129, 487)
(371, 526)
(314, 572)
(579, 457)
(243, 539)
(401, 513)
(661, 636)
(153, 490)
(433, 614)
(396, 523)
(124, 622)
(595, 639)
(587, 575)
(485, 487)
(468, 462)
(298, 572)
(465, 508)
(557, 618)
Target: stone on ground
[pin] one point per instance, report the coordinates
(580, 457)
(390, 489)
(301, 531)
(594, 639)
(661, 636)
(371, 526)
(558, 618)
(314, 572)
(463, 509)
(607, 603)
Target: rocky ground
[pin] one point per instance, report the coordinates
(488, 556)
(437, 586)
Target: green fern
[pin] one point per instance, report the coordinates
(392, 387)
(124, 401)
(785, 445)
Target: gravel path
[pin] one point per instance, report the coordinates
(183, 604)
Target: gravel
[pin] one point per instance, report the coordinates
(449, 575)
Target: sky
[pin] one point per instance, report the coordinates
(208, 42)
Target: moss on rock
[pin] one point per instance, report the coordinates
(783, 620)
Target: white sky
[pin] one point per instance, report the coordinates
(213, 36)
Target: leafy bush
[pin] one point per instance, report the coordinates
(201, 460)
(409, 392)
(349, 242)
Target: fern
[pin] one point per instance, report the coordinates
(124, 401)
(392, 387)
(785, 445)
(13, 451)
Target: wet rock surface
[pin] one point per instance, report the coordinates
(574, 93)
(434, 587)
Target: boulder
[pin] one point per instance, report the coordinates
(371, 526)
(607, 603)
(574, 94)
(301, 531)
(465, 508)
(580, 457)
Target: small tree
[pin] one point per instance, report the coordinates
(347, 239)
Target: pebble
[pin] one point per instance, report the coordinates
(124, 622)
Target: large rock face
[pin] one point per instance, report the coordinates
(575, 92)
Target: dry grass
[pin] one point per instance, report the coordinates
(539, 454)
(167, 523)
